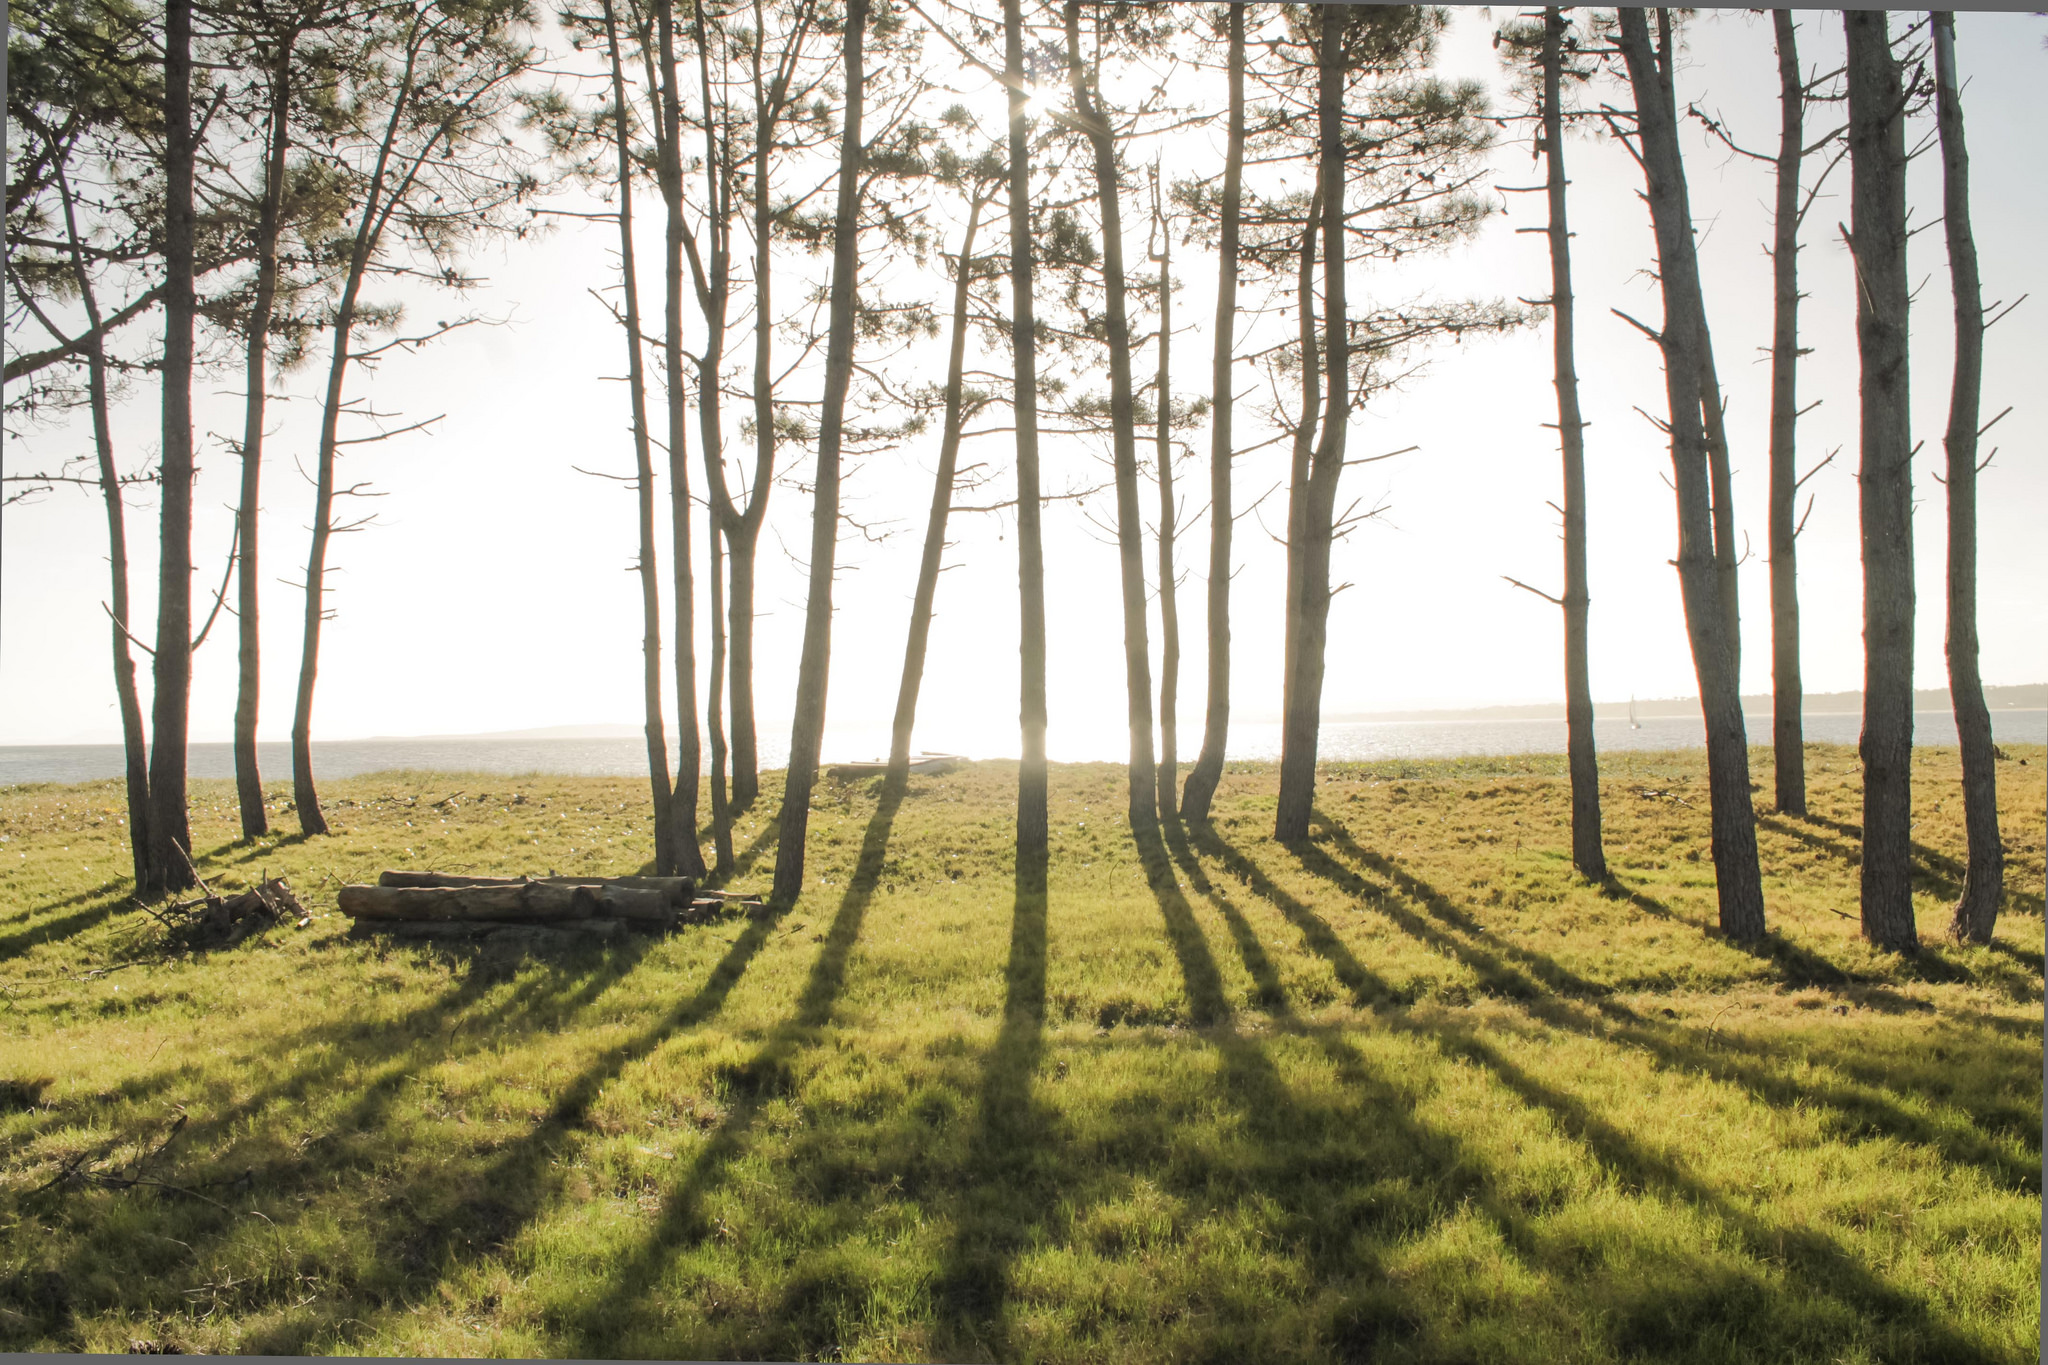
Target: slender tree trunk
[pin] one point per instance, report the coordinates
(305, 796)
(1311, 604)
(1788, 692)
(1032, 827)
(665, 833)
(248, 777)
(1976, 912)
(1130, 534)
(721, 811)
(1738, 881)
(714, 290)
(1721, 481)
(688, 856)
(1587, 854)
(1301, 452)
(942, 506)
(814, 664)
(1208, 770)
(170, 865)
(134, 742)
(1169, 610)
(1877, 224)
(744, 536)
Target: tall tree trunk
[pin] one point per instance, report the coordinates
(665, 833)
(1877, 225)
(743, 534)
(1032, 828)
(248, 777)
(134, 742)
(1301, 452)
(813, 666)
(1976, 911)
(170, 865)
(1738, 881)
(1130, 534)
(942, 505)
(1200, 789)
(1309, 608)
(1169, 611)
(714, 292)
(1721, 482)
(1587, 854)
(1788, 691)
(688, 857)
(721, 810)
(369, 229)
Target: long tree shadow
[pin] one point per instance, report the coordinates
(1689, 1289)
(1011, 1180)
(1799, 965)
(305, 1172)
(1674, 1047)
(1934, 870)
(70, 926)
(1269, 1107)
(596, 1330)
(1816, 1260)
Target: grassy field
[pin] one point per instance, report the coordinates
(1411, 1091)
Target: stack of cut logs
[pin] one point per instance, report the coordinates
(442, 905)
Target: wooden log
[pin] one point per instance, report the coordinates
(564, 931)
(632, 903)
(526, 903)
(679, 890)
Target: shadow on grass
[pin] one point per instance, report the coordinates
(1011, 1180)
(597, 1330)
(1822, 1269)
(380, 1056)
(1877, 1107)
(1933, 871)
(69, 926)
(1668, 1297)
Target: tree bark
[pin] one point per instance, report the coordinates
(1788, 693)
(134, 741)
(665, 833)
(1976, 911)
(1301, 452)
(688, 858)
(1200, 788)
(1169, 611)
(1721, 482)
(1877, 226)
(743, 531)
(1032, 827)
(1308, 608)
(248, 777)
(305, 795)
(721, 810)
(170, 831)
(1587, 854)
(1130, 534)
(813, 666)
(942, 505)
(714, 292)
(1738, 881)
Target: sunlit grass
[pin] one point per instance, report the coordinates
(1410, 1091)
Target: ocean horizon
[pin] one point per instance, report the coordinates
(626, 755)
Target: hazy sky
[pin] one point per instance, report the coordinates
(494, 592)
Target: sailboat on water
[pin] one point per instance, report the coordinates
(1633, 723)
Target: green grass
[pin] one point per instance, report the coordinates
(1409, 1092)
